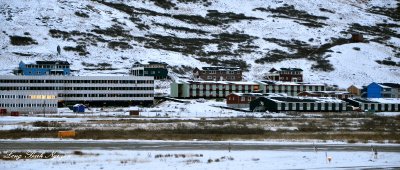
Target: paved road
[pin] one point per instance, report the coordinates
(137, 145)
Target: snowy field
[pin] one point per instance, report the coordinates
(208, 159)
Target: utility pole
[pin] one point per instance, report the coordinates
(44, 107)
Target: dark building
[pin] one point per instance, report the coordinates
(40, 68)
(218, 73)
(156, 69)
(285, 74)
(297, 104)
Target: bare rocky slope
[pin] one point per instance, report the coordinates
(106, 37)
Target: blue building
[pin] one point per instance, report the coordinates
(43, 68)
(383, 90)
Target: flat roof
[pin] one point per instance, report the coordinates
(222, 82)
(378, 100)
(268, 82)
(221, 68)
(306, 99)
(260, 94)
(328, 92)
(392, 85)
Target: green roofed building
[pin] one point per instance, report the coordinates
(156, 69)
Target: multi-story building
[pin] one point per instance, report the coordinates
(39, 68)
(218, 73)
(69, 90)
(156, 69)
(210, 89)
(285, 74)
(24, 101)
(383, 90)
(290, 88)
(290, 103)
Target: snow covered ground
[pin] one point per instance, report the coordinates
(209, 159)
(35, 19)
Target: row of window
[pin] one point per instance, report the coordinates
(311, 106)
(290, 72)
(105, 95)
(80, 81)
(382, 107)
(45, 66)
(305, 88)
(78, 88)
(241, 99)
(226, 78)
(12, 96)
(27, 105)
(204, 86)
(221, 72)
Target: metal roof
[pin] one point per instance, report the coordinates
(52, 62)
(221, 68)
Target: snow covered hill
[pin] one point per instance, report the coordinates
(255, 35)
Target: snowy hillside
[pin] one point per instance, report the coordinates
(107, 37)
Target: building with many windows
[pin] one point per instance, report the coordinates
(290, 103)
(39, 68)
(376, 104)
(210, 89)
(383, 90)
(156, 69)
(285, 74)
(89, 90)
(290, 88)
(218, 73)
(29, 101)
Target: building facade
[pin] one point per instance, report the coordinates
(335, 94)
(242, 100)
(285, 74)
(218, 73)
(29, 101)
(210, 89)
(290, 88)
(383, 90)
(290, 103)
(40, 68)
(89, 90)
(355, 90)
(376, 104)
(156, 69)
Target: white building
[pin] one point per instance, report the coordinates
(69, 90)
(29, 101)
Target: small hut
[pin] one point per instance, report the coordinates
(79, 108)
(356, 37)
(134, 111)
